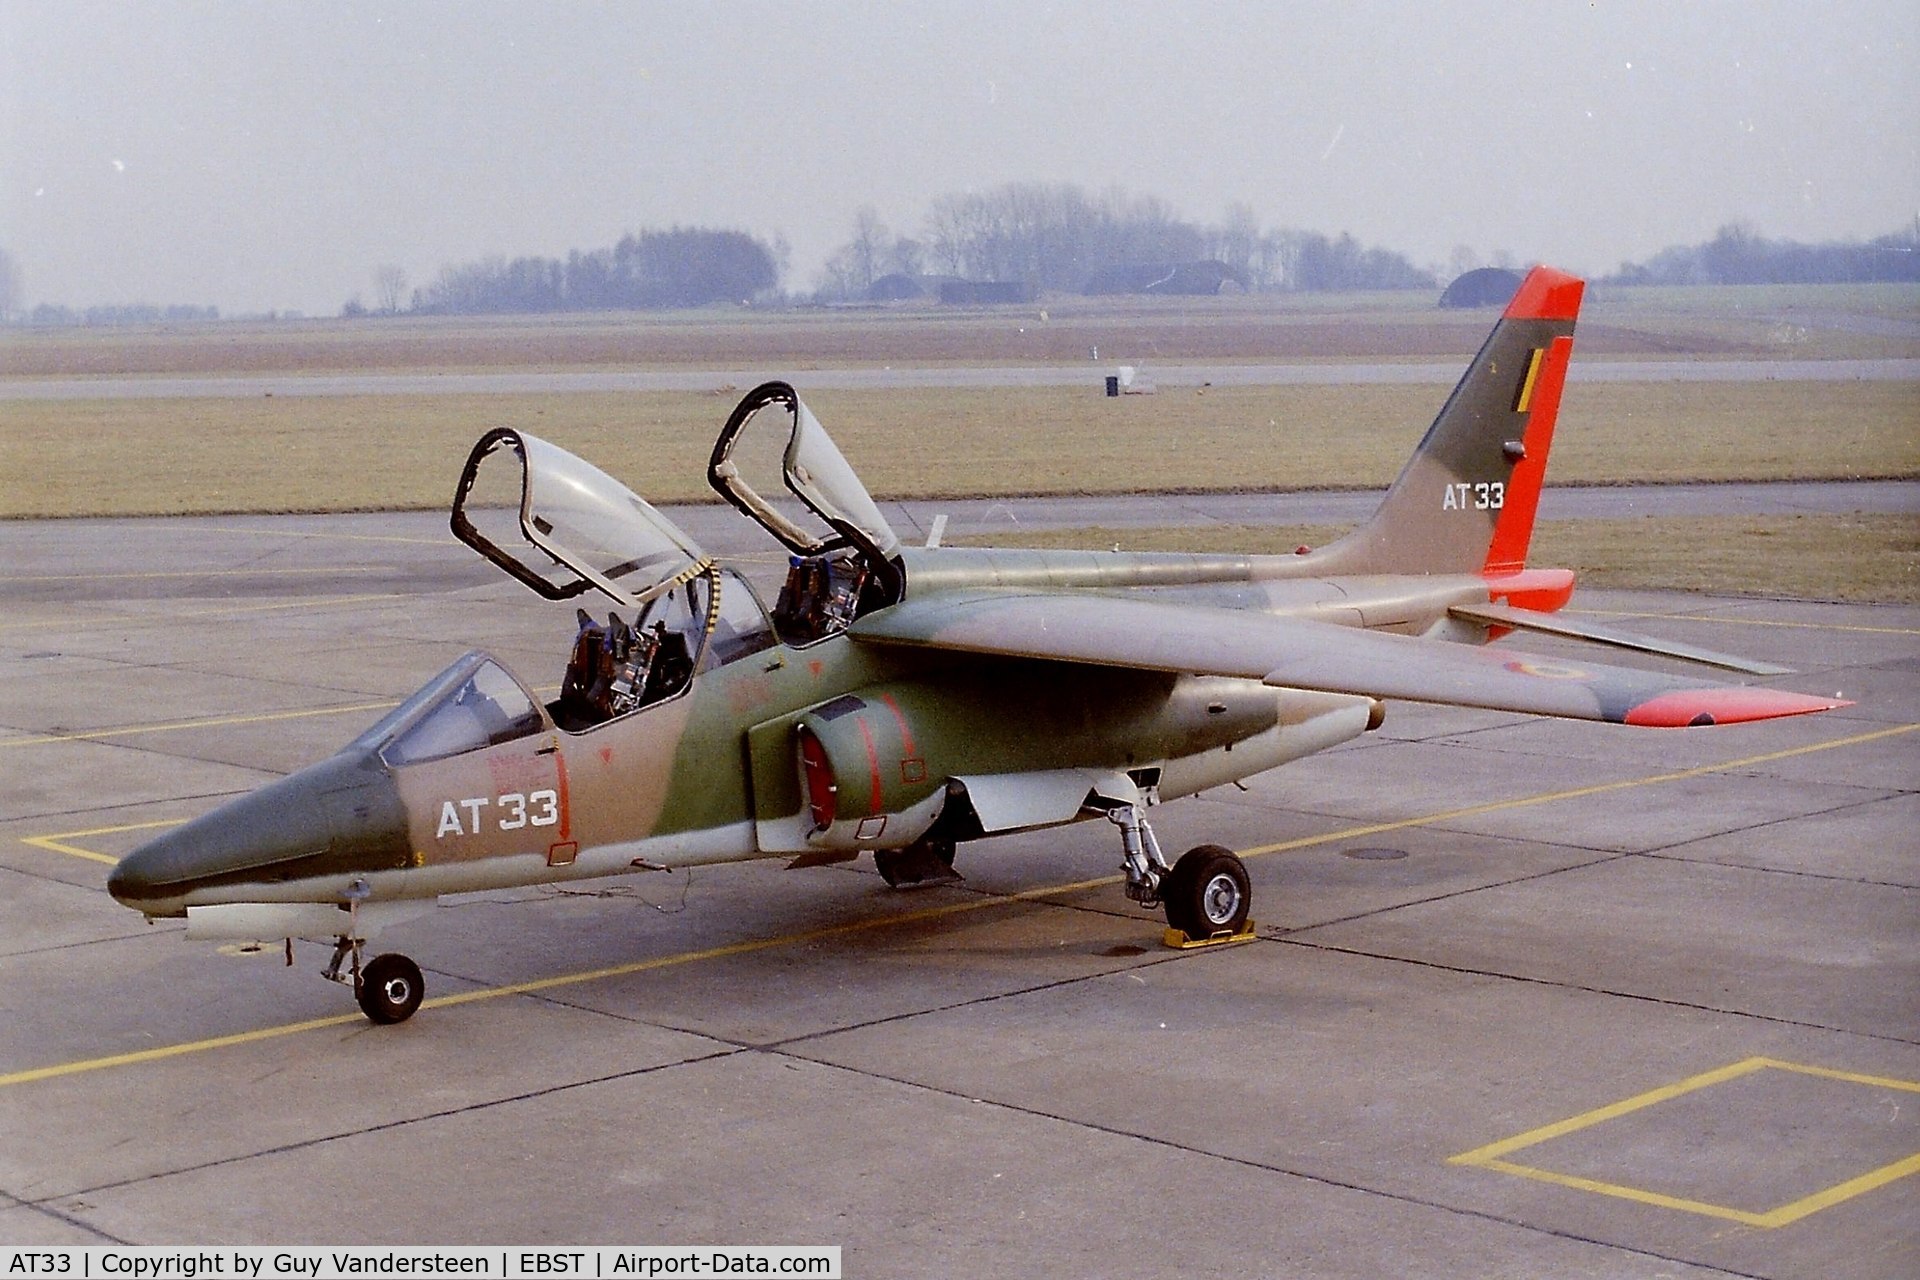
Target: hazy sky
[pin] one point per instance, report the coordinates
(269, 156)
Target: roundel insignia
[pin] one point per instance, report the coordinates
(1546, 670)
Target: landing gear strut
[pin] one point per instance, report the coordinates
(1140, 858)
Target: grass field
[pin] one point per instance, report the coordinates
(123, 457)
(172, 457)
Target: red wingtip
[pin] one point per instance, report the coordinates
(1547, 294)
(1729, 704)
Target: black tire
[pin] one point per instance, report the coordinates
(1207, 892)
(1176, 894)
(390, 989)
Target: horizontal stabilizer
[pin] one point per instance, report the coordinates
(1500, 615)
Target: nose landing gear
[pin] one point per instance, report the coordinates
(388, 987)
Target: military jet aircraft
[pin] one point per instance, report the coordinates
(902, 701)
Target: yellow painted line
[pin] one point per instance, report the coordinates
(1618, 1192)
(56, 842)
(519, 988)
(888, 922)
(215, 722)
(177, 1050)
(1576, 793)
(1845, 1191)
(1749, 622)
(171, 617)
(1492, 1156)
(260, 572)
(128, 731)
(1560, 1128)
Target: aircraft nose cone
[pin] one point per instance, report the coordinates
(342, 816)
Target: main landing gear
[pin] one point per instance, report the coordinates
(388, 987)
(1206, 894)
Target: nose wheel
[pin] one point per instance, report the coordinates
(389, 989)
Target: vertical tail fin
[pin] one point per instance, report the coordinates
(1465, 501)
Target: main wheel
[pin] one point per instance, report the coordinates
(1207, 892)
(390, 989)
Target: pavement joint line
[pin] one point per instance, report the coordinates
(1748, 622)
(1264, 1166)
(151, 619)
(43, 1208)
(127, 731)
(848, 928)
(215, 722)
(402, 1122)
(1295, 939)
(333, 536)
(256, 571)
(1492, 1155)
(1280, 934)
(1577, 793)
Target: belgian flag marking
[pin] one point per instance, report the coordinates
(1526, 383)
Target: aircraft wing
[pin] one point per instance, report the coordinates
(1300, 653)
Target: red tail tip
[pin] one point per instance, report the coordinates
(1547, 294)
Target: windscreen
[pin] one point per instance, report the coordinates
(473, 703)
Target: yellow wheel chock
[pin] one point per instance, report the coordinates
(1179, 941)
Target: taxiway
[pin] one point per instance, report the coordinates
(1528, 998)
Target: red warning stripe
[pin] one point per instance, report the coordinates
(906, 732)
(873, 761)
(1730, 704)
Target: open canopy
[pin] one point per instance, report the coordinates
(773, 441)
(563, 526)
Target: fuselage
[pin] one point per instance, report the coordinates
(412, 809)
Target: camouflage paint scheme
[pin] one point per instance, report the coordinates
(999, 690)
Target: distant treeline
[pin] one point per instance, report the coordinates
(681, 267)
(1056, 237)
(142, 313)
(1738, 254)
(1051, 237)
